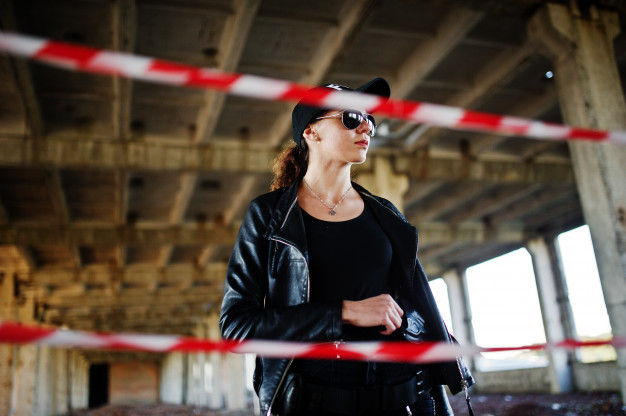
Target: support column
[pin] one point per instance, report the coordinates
(196, 386)
(580, 44)
(457, 296)
(216, 396)
(7, 351)
(385, 183)
(26, 364)
(61, 391)
(554, 322)
(235, 382)
(171, 382)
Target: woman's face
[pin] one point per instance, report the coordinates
(331, 139)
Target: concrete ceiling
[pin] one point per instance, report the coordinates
(120, 200)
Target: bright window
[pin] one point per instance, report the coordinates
(505, 311)
(585, 293)
(440, 292)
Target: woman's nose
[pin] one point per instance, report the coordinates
(364, 127)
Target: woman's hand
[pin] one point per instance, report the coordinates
(376, 311)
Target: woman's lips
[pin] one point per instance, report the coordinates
(363, 143)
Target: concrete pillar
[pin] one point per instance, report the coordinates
(216, 391)
(548, 282)
(458, 306)
(235, 382)
(385, 183)
(580, 44)
(7, 351)
(25, 370)
(44, 382)
(60, 393)
(171, 379)
(79, 373)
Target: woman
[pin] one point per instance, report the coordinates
(320, 259)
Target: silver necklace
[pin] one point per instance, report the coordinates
(332, 209)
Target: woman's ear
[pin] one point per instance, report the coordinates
(310, 134)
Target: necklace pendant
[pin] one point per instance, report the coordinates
(332, 212)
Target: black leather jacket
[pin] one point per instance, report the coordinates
(267, 290)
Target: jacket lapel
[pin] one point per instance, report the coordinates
(287, 223)
(401, 233)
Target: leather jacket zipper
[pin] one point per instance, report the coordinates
(280, 383)
(308, 291)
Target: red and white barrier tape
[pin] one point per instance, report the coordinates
(423, 352)
(86, 59)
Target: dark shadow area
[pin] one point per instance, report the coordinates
(98, 385)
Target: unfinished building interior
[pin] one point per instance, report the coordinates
(120, 200)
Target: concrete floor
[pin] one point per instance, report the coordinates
(578, 404)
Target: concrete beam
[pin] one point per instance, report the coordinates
(57, 196)
(72, 235)
(333, 44)
(468, 233)
(495, 72)
(121, 179)
(420, 168)
(419, 191)
(181, 203)
(122, 323)
(532, 108)
(447, 203)
(123, 26)
(141, 155)
(111, 236)
(27, 257)
(453, 27)
(231, 47)
(127, 312)
(154, 155)
(22, 77)
(4, 215)
(102, 298)
(99, 277)
(493, 202)
(529, 205)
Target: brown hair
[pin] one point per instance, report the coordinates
(290, 165)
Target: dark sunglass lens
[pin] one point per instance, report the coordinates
(352, 119)
(371, 121)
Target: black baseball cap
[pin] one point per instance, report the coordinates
(302, 114)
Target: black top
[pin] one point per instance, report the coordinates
(349, 260)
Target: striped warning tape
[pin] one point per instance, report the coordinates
(81, 58)
(422, 352)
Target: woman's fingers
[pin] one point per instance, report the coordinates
(381, 310)
(393, 320)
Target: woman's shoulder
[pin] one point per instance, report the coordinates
(265, 204)
(268, 199)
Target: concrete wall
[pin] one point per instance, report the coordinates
(133, 383)
(601, 376)
(532, 380)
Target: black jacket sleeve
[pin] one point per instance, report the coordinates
(245, 312)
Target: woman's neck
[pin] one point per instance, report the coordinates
(328, 182)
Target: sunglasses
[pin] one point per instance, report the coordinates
(351, 119)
